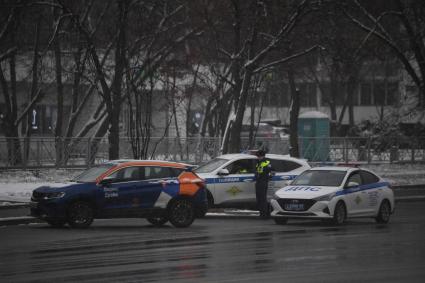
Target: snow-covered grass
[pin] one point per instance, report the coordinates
(17, 185)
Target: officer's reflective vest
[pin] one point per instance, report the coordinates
(261, 165)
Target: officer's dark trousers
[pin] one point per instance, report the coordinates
(261, 194)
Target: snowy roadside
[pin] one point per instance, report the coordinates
(16, 186)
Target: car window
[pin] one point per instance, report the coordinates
(133, 173)
(157, 172)
(368, 178)
(242, 166)
(283, 165)
(329, 178)
(355, 177)
(91, 174)
(211, 165)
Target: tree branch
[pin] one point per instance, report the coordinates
(284, 60)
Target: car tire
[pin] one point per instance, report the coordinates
(340, 214)
(80, 214)
(280, 220)
(157, 221)
(200, 213)
(181, 213)
(56, 223)
(384, 212)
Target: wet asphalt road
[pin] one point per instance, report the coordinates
(219, 250)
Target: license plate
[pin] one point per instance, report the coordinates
(294, 206)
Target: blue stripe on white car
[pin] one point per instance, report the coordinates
(384, 185)
(223, 180)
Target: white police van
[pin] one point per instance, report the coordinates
(230, 178)
(334, 193)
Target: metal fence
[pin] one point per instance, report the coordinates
(84, 152)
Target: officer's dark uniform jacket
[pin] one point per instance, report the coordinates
(263, 170)
(262, 174)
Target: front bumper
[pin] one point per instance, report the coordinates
(318, 209)
(47, 210)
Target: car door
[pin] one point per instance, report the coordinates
(239, 185)
(158, 179)
(284, 171)
(372, 191)
(121, 193)
(354, 196)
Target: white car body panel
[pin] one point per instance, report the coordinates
(361, 201)
(240, 188)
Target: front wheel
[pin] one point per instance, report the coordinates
(340, 214)
(80, 214)
(181, 213)
(384, 212)
(157, 221)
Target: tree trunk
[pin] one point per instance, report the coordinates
(235, 134)
(294, 113)
(116, 88)
(59, 103)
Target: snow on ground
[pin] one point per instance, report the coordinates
(400, 174)
(17, 185)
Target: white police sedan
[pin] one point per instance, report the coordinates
(230, 178)
(334, 193)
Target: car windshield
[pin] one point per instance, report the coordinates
(330, 178)
(211, 165)
(91, 174)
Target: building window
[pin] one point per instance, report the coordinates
(379, 93)
(42, 119)
(2, 116)
(308, 95)
(392, 93)
(385, 93)
(325, 90)
(366, 94)
(277, 95)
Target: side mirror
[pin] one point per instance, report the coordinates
(223, 172)
(107, 180)
(352, 185)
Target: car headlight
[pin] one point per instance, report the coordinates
(54, 195)
(327, 197)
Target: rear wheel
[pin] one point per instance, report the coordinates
(181, 213)
(157, 221)
(340, 214)
(384, 212)
(280, 220)
(80, 214)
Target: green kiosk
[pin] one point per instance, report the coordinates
(313, 134)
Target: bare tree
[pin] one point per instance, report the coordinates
(391, 23)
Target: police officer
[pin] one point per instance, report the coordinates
(262, 176)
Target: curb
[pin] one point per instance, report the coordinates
(18, 220)
(415, 186)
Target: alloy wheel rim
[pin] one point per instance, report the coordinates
(182, 212)
(341, 214)
(81, 214)
(385, 212)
